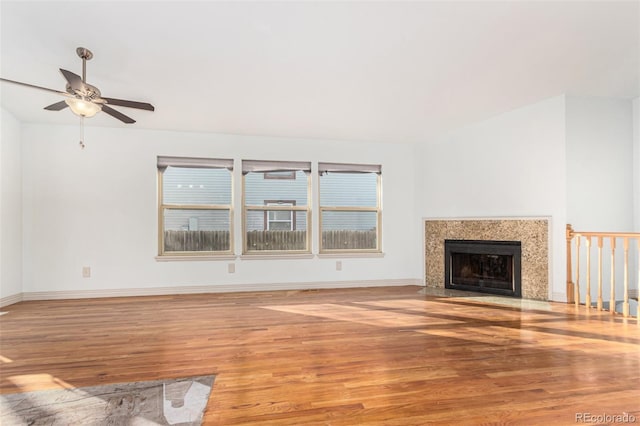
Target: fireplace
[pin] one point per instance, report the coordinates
(533, 234)
(483, 266)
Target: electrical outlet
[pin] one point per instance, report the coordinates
(338, 265)
(86, 272)
(231, 268)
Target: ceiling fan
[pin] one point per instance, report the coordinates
(84, 99)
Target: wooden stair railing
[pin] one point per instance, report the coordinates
(573, 288)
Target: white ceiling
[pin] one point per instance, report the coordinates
(377, 71)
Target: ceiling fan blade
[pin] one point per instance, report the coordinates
(35, 87)
(117, 114)
(74, 80)
(129, 104)
(57, 106)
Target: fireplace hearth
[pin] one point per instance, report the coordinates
(483, 266)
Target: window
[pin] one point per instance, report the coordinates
(276, 213)
(350, 213)
(282, 220)
(280, 175)
(195, 214)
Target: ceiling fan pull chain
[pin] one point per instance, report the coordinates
(81, 132)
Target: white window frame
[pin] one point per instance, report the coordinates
(351, 168)
(249, 166)
(192, 162)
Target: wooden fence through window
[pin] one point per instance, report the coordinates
(196, 241)
(349, 240)
(181, 241)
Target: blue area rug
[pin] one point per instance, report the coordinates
(159, 402)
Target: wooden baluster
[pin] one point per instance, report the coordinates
(576, 293)
(587, 244)
(625, 303)
(599, 273)
(570, 286)
(612, 297)
(573, 289)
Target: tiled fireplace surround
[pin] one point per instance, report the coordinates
(532, 233)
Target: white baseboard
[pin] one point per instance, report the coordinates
(10, 300)
(227, 288)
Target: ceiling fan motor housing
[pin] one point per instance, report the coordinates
(88, 92)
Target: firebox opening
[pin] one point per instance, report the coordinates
(483, 266)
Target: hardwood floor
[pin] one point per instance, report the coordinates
(380, 356)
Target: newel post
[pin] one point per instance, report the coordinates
(570, 285)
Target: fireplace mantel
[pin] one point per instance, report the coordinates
(532, 233)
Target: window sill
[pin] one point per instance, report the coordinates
(347, 254)
(274, 256)
(194, 258)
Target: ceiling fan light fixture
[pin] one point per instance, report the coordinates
(82, 108)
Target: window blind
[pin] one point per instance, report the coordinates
(193, 162)
(349, 168)
(249, 166)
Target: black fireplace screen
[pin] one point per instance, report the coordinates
(483, 266)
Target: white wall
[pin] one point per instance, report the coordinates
(10, 207)
(600, 164)
(600, 183)
(512, 165)
(635, 118)
(636, 163)
(97, 207)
